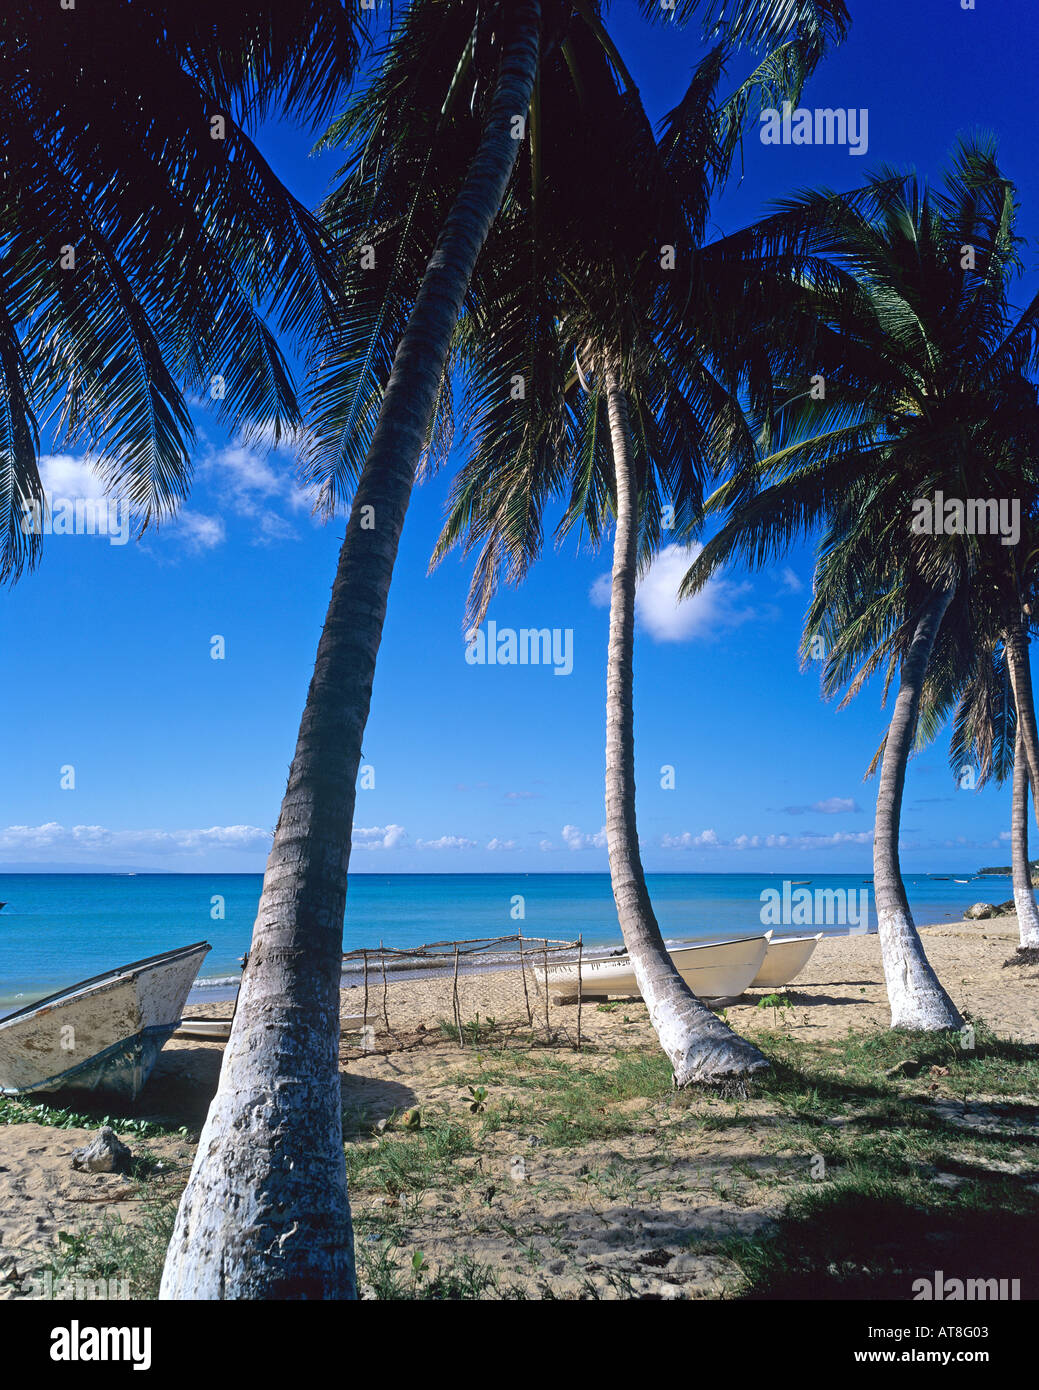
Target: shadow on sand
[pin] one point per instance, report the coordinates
(181, 1087)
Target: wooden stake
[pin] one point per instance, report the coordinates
(385, 990)
(547, 1030)
(458, 1012)
(580, 953)
(523, 973)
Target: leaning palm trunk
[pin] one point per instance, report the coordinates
(266, 1213)
(916, 997)
(700, 1046)
(1024, 897)
(1020, 668)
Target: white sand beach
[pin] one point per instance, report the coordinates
(841, 989)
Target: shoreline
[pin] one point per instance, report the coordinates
(223, 983)
(224, 986)
(607, 1189)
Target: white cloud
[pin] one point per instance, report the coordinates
(836, 805)
(601, 590)
(687, 840)
(832, 806)
(69, 476)
(706, 614)
(378, 836)
(53, 838)
(709, 839)
(790, 582)
(259, 487)
(574, 838)
(447, 842)
(545, 846)
(244, 476)
(197, 530)
(64, 475)
(273, 528)
(496, 844)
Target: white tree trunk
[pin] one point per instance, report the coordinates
(1020, 668)
(1024, 896)
(702, 1049)
(916, 997)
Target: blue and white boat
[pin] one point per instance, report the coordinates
(102, 1034)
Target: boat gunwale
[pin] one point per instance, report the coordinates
(121, 972)
(687, 946)
(593, 961)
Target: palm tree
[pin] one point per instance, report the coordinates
(923, 363)
(273, 1137)
(628, 404)
(265, 1212)
(140, 228)
(987, 738)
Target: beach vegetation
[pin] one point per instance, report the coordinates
(16, 1110)
(778, 1003)
(849, 1181)
(127, 1253)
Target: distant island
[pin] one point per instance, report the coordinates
(1005, 869)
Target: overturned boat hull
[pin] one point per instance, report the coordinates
(103, 1034)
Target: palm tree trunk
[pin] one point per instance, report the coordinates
(265, 1213)
(916, 997)
(1020, 667)
(700, 1046)
(1024, 897)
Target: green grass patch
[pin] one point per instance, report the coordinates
(904, 1189)
(118, 1259)
(15, 1111)
(876, 1181)
(395, 1271)
(567, 1103)
(412, 1160)
(852, 1069)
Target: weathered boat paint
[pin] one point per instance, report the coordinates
(101, 1034)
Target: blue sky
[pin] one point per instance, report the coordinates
(180, 760)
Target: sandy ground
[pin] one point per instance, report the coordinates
(565, 1239)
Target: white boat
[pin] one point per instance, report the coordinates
(219, 1029)
(711, 969)
(207, 1029)
(786, 957)
(102, 1034)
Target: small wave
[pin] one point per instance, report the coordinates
(217, 982)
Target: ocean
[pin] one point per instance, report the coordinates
(60, 928)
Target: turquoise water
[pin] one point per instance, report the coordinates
(60, 928)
